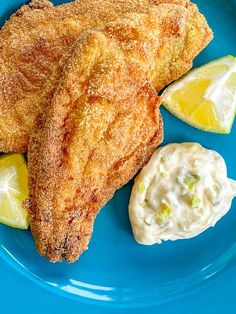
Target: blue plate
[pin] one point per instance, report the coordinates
(116, 271)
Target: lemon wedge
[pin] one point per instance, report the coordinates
(13, 190)
(206, 97)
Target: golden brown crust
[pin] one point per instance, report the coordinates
(102, 126)
(36, 40)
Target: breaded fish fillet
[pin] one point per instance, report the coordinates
(102, 126)
(36, 40)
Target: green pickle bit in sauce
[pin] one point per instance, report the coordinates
(196, 201)
(164, 213)
(191, 179)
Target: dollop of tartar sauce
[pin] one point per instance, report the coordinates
(182, 191)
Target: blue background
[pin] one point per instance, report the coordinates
(19, 295)
(216, 295)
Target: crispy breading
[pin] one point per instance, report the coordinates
(102, 126)
(36, 40)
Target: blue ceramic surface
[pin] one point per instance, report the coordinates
(118, 272)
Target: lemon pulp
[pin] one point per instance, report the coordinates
(206, 97)
(13, 190)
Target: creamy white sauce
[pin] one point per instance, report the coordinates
(182, 191)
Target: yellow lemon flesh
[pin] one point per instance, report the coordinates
(13, 190)
(206, 97)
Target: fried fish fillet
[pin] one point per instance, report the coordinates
(102, 126)
(37, 39)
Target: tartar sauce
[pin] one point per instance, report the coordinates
(182, 191)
